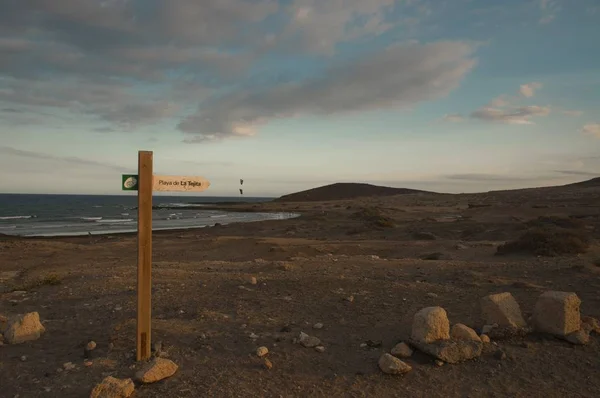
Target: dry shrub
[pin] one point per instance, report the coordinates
(374, 216)
(548, 241)
(555, 221)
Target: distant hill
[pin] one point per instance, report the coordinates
(594, 182)
(341, 191)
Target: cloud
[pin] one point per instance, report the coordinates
(70, 160)
(579, 173)
(519, 115)
(482, 177)
(549, 9)
(573, 113)
(454, 118)
(400, 76)
(528, 90)
(592, 129)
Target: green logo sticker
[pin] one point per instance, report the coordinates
(129, 182)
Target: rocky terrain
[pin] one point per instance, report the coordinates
(417, 294)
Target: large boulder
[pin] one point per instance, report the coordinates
(430, 324)
(502, 309)
(451, 351)
(112, 387)
(22, 328)
(463, 332)
(156, 370)
(557, 313)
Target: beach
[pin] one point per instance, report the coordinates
(359, 267)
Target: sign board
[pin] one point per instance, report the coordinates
(129, 182)
(145, 182)
(179, 184)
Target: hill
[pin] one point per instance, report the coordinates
(594, 182)
(341, 191)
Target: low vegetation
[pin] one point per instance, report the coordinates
(48, 280)
(375, 217)
(548, 241)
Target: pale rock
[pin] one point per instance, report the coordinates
(68, 366)
(90, 346)
(308, 341)
(22, 328)
(320, 348)
(580, 337)
(402, 350)
(156, 370)
(318, 326)
(439, 363)
(485, 338)
(262, 351)
(392, 365)
(590, 324)
(451, 351)
(430, 324)
(557, 313)
(112, 387)
(503, 310)
(463, 332)
(253, 281)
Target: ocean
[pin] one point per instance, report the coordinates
(70, 215)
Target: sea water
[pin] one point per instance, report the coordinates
(56, 215)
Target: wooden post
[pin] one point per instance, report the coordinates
(144, 282)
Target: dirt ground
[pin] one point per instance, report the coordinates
(205, 308)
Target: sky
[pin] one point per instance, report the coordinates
(442, 95)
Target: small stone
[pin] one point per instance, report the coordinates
(68, 366)
(502, 309)
(590, 324)
(432, 295)
(22, 328)
(363, 345)
(439, 363)
(318, 326)
(349, 299)
(392, 365)
(87, 364)
(308, 341)
(402, 350)
(90, 346)
(320, 348)
(23, 358)
(253, 336)
(580, 337)
(485, 338)
(500, 355)
(557, 313)
(253, 281)
(267, 363)
(113, 388)
(262, 351)
(156, 370)
(430, 324)
(157, 348)
(463, 332)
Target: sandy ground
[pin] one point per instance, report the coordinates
(205, 308)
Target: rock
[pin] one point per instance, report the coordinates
(156, 370)
(439, 363)
(430, 324)
(432, 295)
(267, 363)
(24, 328)
(320, 348)
(308, 341)
(580, 337)
(485, 339)
(500, 355)
(90, 346)
(463, 332)
(590, 324)
(392, 365)
(503, 310)
(318, 326)
(23, 358)
(68, 366)
(87, 364)
(402, 350)
(349, 299)
(113, 388)
(262, 351)
(557, 313)
(460, 246)
(253, 281)
(450, 351)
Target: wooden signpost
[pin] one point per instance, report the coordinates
(145, 182)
